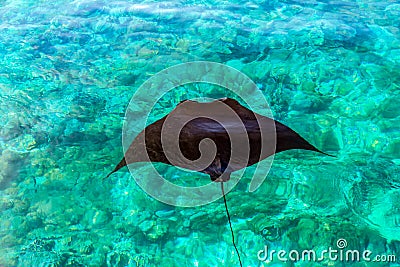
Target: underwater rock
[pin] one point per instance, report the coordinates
(228, 34)
(389, 108)
(100, 218)
(392, 11)
(222, 48)
(390, 126)
(198, 215)
(190, 245)
(237, 64)
(25, 143)
(86, 107)
(8, 258)
(328, 140)
(147, 53)
(33, 221)
(154, 229)
(10, 240)
(393, 148)
(377, 73)
(343, 87)
(19, 226)
(301, 102)
(257, 69)
(157, 231)
(13, 127)
(102, 26)
(306, 229)
(270, 233)
(10, 162)
(146, 225)
(21, 206)
(325, 88)
(316, 35)
(242, 41)
(182, 230)
(127, 78)
(142, 259)
(278, 40)
(186, 223)
(335, 30)
(306, 188)
(165, 213)
(279, 70)
(119, 258)
(394, 55)
(183, 45)
(6, 203)
(280, 55)
(258, 222)
(308, 86)
(360, 108)
(96, 218)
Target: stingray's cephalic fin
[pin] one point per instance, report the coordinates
(226, 176)
(121, 164)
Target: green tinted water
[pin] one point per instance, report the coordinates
(68, 70)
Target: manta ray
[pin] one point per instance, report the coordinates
(215, 138)
(221, 122)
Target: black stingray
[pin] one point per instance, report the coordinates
(240, 138)
(264, 135)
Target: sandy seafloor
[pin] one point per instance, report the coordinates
(329, 70)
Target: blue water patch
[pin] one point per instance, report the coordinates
(68, 69)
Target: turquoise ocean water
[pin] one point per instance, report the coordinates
(68, 69)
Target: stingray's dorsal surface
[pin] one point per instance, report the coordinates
(231, 135)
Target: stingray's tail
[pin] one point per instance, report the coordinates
(230, 224)
(121, 164)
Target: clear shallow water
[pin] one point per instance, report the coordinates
(69, 69)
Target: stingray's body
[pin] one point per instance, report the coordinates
(241, 138)
(216, 138)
